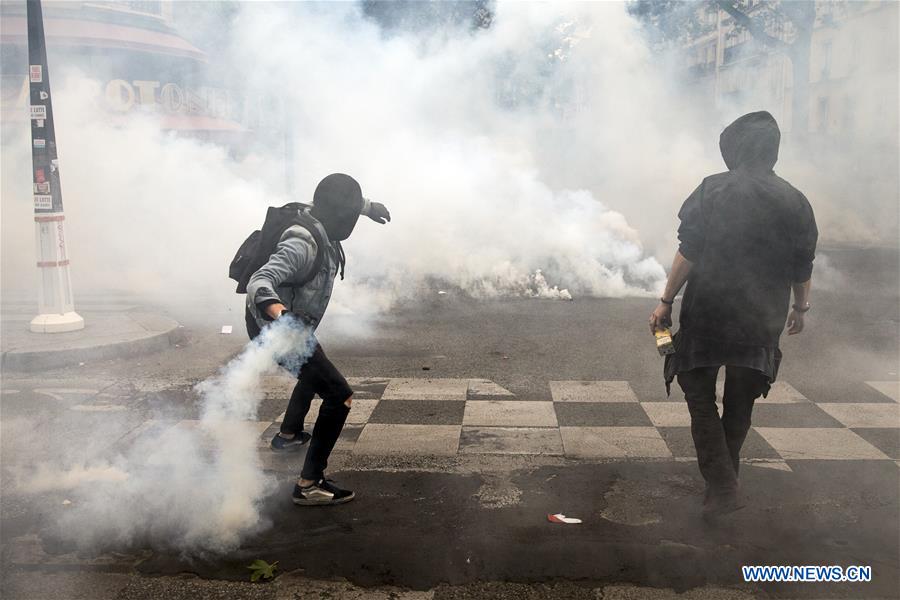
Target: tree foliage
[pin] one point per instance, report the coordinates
(672, 22)
(414, 15)
(783, 26)
(774, 23)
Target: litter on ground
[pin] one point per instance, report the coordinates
(561, 518)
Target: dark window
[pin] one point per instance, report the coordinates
(826, 60)
(822, 115)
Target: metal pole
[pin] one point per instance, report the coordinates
(56, 312)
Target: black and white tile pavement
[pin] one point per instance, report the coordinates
(601, 420)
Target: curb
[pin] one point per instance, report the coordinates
(166, 333)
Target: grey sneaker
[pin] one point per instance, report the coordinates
(321, 493)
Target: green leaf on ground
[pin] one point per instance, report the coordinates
(262, 569)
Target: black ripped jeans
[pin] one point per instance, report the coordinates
(318, 376)
(717, 440)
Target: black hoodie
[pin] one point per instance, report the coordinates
(750, 235)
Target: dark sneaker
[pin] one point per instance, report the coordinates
(321, 493)
(710, 491)
(282, 444)
(720, 504)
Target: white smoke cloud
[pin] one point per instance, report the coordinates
(423, 125)
(553, 140)
(195, 488)
(148, 213)
(420, 122)
(46, 478)
(543, 157)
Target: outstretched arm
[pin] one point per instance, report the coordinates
(376, 211)
(661, 317)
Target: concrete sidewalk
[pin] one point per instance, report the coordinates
(92, 585)
(110, 331)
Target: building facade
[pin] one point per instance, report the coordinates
(134, 50)
(853, 67)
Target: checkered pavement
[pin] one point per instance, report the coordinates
(601, 420)
(597, 420)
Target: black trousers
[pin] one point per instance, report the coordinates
(318, 376)
(717, 440)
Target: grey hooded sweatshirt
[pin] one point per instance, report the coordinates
(279, 279)
(750, 235)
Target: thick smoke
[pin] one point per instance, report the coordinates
(196, 488)
(544, 156)
(455, 133)
(553, 140)
(148, 213)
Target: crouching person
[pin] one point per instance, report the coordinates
(748, 239)
(296, 280)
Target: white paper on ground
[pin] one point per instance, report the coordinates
(226, 328)
(561, 518)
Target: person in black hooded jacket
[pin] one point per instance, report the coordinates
(286, 286)
(747, 240)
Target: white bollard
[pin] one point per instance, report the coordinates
(56, 306)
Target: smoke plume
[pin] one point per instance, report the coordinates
(543, 156)
(553, 140)
(454, 133)
(196, 486)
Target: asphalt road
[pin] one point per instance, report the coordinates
(458, 524)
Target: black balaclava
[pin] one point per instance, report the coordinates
(337, 203)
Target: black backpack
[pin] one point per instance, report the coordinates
(259, 245)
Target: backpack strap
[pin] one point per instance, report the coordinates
(263, 243)
(308, 222)
(342, 258)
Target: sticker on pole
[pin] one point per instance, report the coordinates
(36, 73)
(44, 95)
(42, 187)
(43, 202)
(39, 143)
(561, 518)
(38, 111)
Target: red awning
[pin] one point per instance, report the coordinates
(77, 32)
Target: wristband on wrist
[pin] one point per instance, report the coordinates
(803, 309)
(667, 302)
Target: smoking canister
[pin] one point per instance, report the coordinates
(664, 341)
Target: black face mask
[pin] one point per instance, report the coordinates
(337, 203)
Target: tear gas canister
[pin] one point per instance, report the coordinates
(664, 341)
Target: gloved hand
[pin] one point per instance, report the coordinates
(378, 212)
(300, 316)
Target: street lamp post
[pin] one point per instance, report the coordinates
(56, 305)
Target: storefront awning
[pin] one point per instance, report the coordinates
(78, 32)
